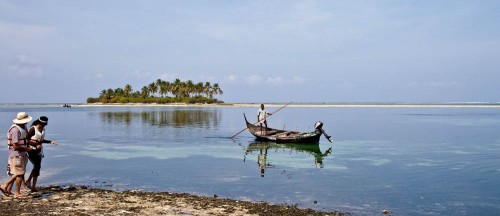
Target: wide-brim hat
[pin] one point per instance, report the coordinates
(22, 118)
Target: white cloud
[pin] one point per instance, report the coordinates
(184, 77)
(41, 41)
(140, 74)
(24, 65)
(275, 80)
(98, 76)
(297, 79)
(204, 78)
(169, 77)
(232, 78)
(25, 32)
(253, 80)
(279, 80)
(260, 80)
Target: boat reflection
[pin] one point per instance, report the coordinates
(263, 147)
(164, 118)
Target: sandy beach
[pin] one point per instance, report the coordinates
(81, 200)
(305, 105)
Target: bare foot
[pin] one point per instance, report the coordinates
(25, 191)
(19, 196)
(4, 191)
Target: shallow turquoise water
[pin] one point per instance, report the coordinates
(411, 161)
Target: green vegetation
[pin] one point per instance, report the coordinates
(162, 92)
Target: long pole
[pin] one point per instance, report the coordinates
(265, 117)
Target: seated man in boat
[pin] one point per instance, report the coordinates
(261, 118)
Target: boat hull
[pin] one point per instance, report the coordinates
(282, 136)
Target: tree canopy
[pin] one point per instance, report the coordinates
(162, 91)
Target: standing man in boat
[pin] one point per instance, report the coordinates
(261, 117)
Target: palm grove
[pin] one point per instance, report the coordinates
(162, 92)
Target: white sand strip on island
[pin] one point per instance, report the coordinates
(304, 105)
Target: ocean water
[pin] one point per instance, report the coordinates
(410, 161)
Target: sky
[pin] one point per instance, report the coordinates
(58, 51)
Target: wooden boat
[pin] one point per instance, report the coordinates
(285, 136)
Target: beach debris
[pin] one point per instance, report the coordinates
(126, 212)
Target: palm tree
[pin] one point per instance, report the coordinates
(176, 87)
(189, 88)
(164, 88)
(198, 89)
(158, 85)
(158, 82)
(119, 92)
(183, 90)
(153, 88)
(145, 92)
(102, 94)
(109, 94)
(136, 94)
(207, 88)
(128, 90)
(217, 89)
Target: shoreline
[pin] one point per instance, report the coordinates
(74, 200)
(308, 105)
(494, 105)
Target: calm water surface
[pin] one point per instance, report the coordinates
(411, 161)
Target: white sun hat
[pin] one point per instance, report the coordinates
(22, 118)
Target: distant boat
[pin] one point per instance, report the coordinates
(66, 106)
(284, 136)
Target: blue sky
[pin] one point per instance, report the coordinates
(258, 51)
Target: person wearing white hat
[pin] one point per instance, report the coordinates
(18, 146)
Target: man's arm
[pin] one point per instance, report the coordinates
(18, 147)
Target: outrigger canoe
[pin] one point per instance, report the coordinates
(285, 136)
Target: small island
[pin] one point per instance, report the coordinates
(162, 92)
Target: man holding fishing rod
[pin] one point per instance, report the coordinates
(262, 117)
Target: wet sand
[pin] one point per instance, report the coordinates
(81, 200)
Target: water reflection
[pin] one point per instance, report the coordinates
(164, 118)
(262, 149)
